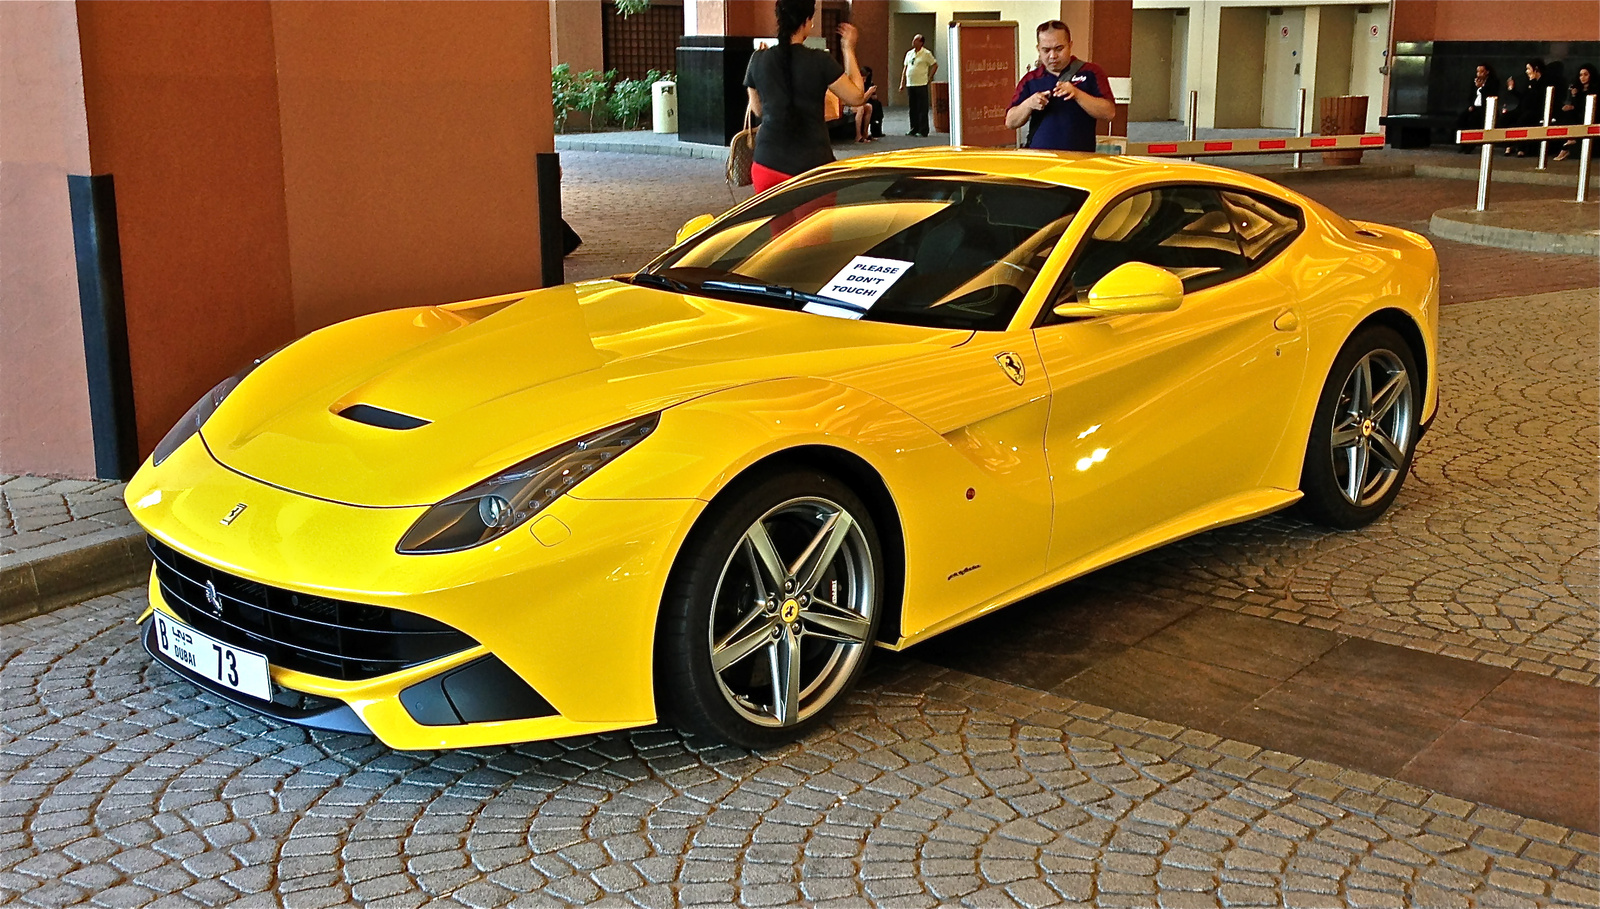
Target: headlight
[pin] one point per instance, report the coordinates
(489, 509)
(196, 417)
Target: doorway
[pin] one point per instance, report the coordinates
(1152, 65)
(1281, 75)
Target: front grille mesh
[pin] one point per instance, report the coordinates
(306, 633)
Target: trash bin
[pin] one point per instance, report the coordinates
(664, 106)
(1344, 115)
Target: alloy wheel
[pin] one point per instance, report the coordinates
(1372, 428)
(791, 618)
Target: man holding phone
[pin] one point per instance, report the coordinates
(1063, 97)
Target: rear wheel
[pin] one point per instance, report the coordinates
(771, 610)
(1365, 431)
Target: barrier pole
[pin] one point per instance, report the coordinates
(1549, 102)
(1194, 112)
(1489, 105)
(1583, 149)
(1300, 125)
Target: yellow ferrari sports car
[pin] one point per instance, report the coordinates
(855, 411)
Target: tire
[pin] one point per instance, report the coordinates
(1366, 426)
(743, 659)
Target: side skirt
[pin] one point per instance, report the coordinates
(1240, 508)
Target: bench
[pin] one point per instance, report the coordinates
(1415, 130)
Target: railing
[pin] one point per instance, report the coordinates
(1299, 145)
(1193, 145)
(1489, 136)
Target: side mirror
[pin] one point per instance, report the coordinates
(693, 226)
(1132, 287)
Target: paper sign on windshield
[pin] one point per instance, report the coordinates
(857, 286)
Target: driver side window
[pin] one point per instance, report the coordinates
(1183, 229)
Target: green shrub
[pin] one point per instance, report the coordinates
(607, 100)
(630, 100)
(585, 91)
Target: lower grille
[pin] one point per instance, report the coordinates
(306, 633)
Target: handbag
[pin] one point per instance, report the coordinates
(742, 153)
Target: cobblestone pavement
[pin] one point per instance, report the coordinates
(930, 787)
(37, 511)
(1490, 551)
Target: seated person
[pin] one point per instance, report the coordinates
(869, 115)
(1471, 117)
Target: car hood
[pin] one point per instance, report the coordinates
(502, 379)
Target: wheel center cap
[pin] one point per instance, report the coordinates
(1367, 426)
(790, 611)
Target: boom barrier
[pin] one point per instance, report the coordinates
(1193, 147)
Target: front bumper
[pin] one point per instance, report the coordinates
(311, 712)
(568, 603)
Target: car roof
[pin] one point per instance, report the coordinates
(1084, 170)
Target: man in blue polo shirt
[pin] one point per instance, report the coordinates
(1063, 96)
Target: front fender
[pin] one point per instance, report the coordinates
(974, 503)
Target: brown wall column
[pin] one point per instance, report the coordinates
(577, 36)
(183, 113)
(1102, 32)
(408, 133)
(871, 19)
(45, 423)
(280, 166)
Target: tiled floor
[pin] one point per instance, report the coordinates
(1515, 740)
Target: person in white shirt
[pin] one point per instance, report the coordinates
(915, 76)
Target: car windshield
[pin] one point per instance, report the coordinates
(915, 247)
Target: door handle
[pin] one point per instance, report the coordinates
(1286, 321)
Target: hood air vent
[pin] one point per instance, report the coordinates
(377, 416)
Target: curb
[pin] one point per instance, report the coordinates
(1320, 172)
(70, 571)
(1468, 225)
(672, 150)
(1504, 175)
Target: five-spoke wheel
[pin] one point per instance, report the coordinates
(772, 610)
(1365, 431)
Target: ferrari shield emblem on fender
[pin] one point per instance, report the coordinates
(1012, 364)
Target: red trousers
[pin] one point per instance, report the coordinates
(765, 178)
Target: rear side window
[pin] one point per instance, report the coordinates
(1184, 229)
(1265, 226)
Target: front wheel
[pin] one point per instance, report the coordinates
(771, 610)
(1365, 431)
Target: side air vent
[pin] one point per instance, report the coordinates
(377, 416)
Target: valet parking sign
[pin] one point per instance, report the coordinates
(857, 286)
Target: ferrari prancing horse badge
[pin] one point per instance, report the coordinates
(1012, 364)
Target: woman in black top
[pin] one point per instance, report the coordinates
(787, 84)
(1530, 107)
(869, 115)
(1572, 110)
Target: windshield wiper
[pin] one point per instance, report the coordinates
(771, 291)
(655, 280)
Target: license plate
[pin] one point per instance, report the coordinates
(203, 655)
